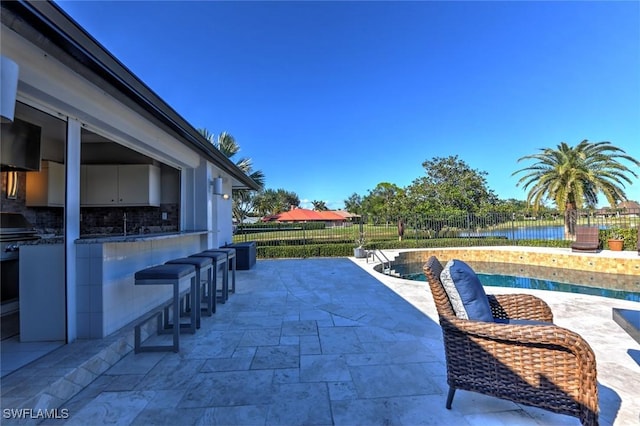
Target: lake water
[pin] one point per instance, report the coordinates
(523, 233)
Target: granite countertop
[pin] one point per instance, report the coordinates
(49, 239)
(92, 239)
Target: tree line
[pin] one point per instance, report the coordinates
(560, 180)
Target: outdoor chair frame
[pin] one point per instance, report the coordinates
(543, 366)
(587, 239)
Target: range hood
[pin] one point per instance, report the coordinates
(20, 143)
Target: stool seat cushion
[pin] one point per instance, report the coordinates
(166, 271)
(212, 254)
(198, 262)
(231, 252)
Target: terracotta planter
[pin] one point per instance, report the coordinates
(616, 245)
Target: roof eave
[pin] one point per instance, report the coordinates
(67, 35)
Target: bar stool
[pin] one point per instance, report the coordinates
(231, 257)
(203, 266)
(176, 276)
(225, 272)
(207, 295)
(218, 259)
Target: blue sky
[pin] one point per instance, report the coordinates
(332, 98)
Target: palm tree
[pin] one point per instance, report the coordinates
(572, 177)
(227, 145)
(319, 206)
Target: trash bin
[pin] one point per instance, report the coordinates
(245, 254)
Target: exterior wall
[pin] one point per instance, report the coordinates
(106, 296)
(223, 215)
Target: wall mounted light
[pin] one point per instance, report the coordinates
(12, 185)
(225, 196)
(216, 184)
(8, 89)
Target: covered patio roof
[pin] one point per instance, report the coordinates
(47, 26)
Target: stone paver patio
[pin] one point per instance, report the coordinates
(315, 341)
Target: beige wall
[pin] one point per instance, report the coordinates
(627, 263)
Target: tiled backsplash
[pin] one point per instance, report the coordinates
(139, 220)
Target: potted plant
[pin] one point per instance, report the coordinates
(359, 251)
(615, 241)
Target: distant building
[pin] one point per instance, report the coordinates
(625, 208)
(349, 216)
(298, 215)
(629, 208)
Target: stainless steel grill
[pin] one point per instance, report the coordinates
(14, 228)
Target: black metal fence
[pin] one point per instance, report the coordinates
(510, 227)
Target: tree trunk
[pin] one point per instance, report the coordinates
(570, 220)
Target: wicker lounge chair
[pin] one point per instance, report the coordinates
(543, 366)
(587, 239)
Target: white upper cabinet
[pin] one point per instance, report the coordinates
(121, 185)
(46, 187)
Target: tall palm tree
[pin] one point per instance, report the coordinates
(572, 177)
(319, 206)
(227, 145)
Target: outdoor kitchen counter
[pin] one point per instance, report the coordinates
(108, 298)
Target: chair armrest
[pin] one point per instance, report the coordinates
(519, 306)
(517, 334)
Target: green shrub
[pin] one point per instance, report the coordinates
(630, 236)
(309, 250)
(346, 249)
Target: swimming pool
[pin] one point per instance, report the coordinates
(492, 274)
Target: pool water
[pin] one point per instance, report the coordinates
(516, 281)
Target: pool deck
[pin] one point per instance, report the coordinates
(312, 341)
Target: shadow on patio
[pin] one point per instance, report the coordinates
(314, 341)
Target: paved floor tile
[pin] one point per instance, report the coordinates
(323, 342)
(254, 387)
(410, 410)
(339, 340)
(269, 357)
(375, 381)
(112, 408)
(324, 368)
(300, 404)
(236, 415)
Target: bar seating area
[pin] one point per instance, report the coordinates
(194, 293)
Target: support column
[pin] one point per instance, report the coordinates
(72, 222)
